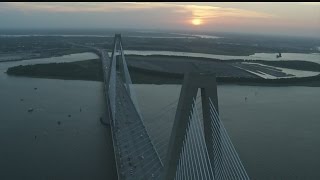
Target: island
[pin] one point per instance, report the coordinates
(155, 69)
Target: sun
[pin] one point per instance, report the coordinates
(196, 22)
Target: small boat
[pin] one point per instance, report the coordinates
(30, 109)
(279, 55)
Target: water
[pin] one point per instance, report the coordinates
(313, 57)
(199, 35)
(58, 59)
(275, 132)
(103, 36)
(34, 146)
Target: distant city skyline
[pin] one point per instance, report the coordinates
(293, 19)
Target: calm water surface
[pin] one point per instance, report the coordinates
(34, 146)
(276, 131)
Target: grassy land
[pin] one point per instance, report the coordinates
(91, 70)
(294, 64)
(81, 70)
(230, 44)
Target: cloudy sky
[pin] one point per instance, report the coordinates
(300, 19)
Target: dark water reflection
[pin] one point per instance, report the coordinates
(276, 131)
(34, 146)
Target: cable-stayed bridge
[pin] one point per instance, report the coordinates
(196, 147)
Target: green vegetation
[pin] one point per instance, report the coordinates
(81, 70)
(292, 64)
(173, 58)
(91, 70)
(230, 44)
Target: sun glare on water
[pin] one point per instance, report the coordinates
(196, 22)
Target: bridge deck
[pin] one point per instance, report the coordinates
(135, 155)
(137, 158)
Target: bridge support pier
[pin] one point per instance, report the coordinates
(191, 83)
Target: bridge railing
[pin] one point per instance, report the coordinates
(112, 86)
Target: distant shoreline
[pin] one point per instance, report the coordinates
(47, 55)
(91, 70)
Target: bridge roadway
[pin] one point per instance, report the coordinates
(135, 155)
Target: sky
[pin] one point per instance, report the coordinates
(296, 18)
